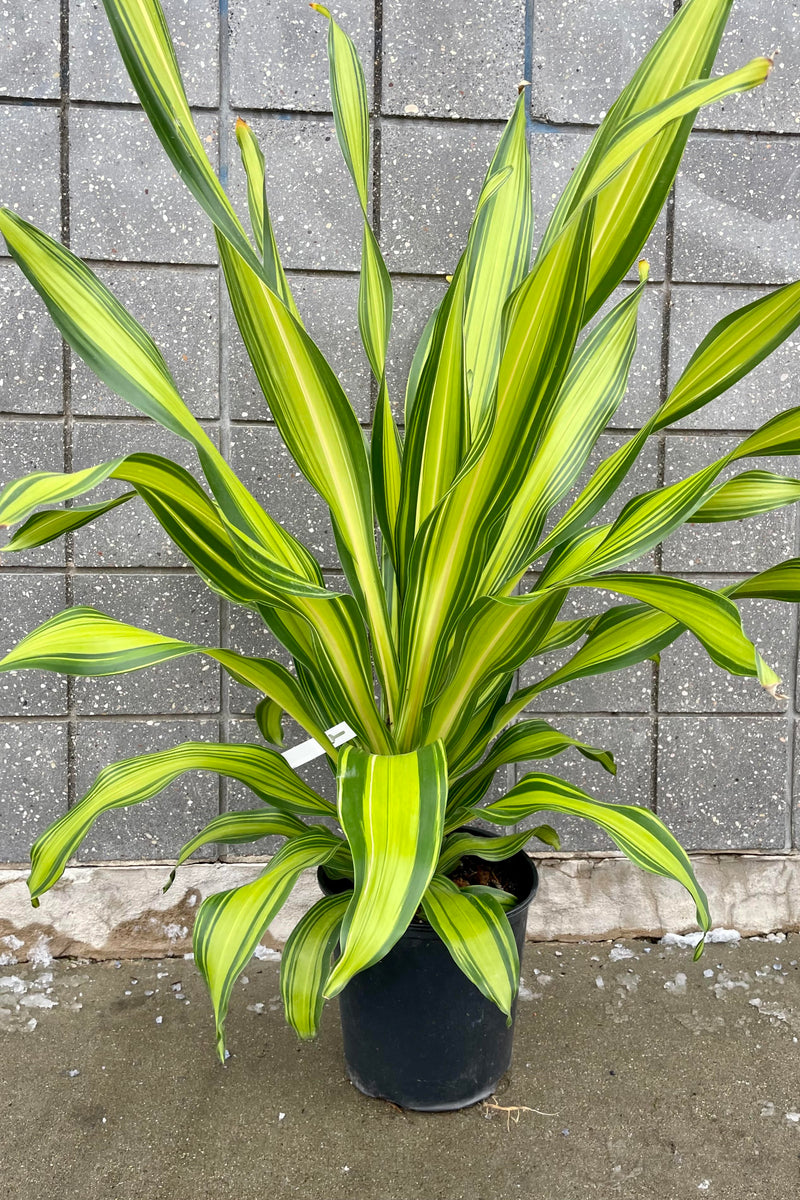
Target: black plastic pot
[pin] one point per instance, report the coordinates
(415, 1030)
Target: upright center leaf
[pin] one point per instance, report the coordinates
(391, 808)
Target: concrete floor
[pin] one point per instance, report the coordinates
(652, 1077)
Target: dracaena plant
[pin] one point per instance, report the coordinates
(435, 526)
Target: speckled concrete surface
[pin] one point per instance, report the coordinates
(637, 1073)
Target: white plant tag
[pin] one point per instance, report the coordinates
(305, 752)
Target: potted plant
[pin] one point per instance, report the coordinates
(407, 682)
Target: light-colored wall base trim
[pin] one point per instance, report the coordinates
(120, 911)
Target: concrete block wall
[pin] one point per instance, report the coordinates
(712, 754)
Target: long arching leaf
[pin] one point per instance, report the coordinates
(135, 779)
(636, 831)
(84, 641)
(534, 738)
(236, 828)
(44, 527)
(124, 356)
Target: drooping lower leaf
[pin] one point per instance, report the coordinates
(44, 527)
(124, 356)
(475, 929)
(84, 641)
(636, 831)
(529, 739)
(135, 779)
(491, 849)
(710, 616)
(229, 925)
(236, 828)
(306, 962)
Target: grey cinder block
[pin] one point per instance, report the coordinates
(584, 53)
(30, 152)
(431, 176)
(449, 61)
(760, 27)
(312, 201)
(180, 606)
(126, 200)
(179, 309)
(736, 218)
(30, 348)
(29, 49)
(96, 68)
(722, 781)
(33, 758)
(278, 52)
(29, 599)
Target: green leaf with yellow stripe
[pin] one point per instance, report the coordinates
(733, 348)
(230, 924)
(44, 527)
(526, 740)
(747, 495)
(636, 831)
(321, 431)
(735, 345)
(444, 563)
(628, 210)
(395, 847)
(351, 118)
(127, 360)
(491, 849)
(133, 780)
(588, 399)
(84, 641)
(475, 930)
(711, 617)
(498, 261)
(306, 962)
(253, 163)
(235, 829)
(177, 501)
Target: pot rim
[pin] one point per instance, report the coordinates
(419, 930)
